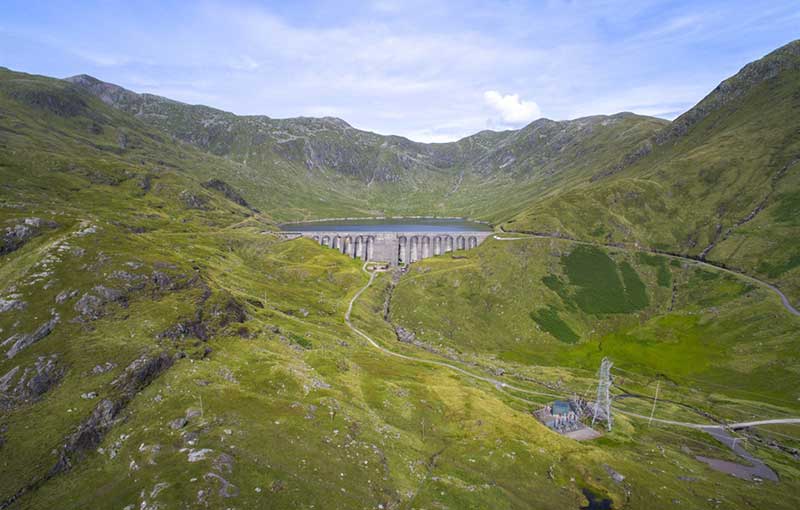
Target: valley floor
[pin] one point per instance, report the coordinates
(274, 400)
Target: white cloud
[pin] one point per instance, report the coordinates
(511, 108)
(244, 63)
(426, 69)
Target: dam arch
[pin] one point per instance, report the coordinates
(394, 247)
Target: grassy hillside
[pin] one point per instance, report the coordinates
(554, 302)
(159, 347)
(490, 175)
(719, 183)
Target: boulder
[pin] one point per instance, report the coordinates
(65, 296)
(8, 305)
(178, 423)
(90, 307)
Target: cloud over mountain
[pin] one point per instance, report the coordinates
(511, 108)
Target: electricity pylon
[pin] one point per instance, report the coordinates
(604, 391)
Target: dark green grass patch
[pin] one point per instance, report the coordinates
(548, 320)
(600, 288)
(635, 290)
(774, 270)
(663, 275)
(302, 341)
(558, 286)
(788, 208)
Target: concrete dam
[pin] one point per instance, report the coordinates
(393, 243)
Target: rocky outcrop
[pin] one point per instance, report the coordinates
(192, 200)
(33, 382)
(208, 319)
(60, 101)
(230, 193)
(405, 336)
(20, 341)
(92, 306)
(17, 235)
(11, 303)
(137, 376)
(329, 144)
(786, 58)
(89, 434)
(65, 296)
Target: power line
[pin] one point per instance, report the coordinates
(604, 392)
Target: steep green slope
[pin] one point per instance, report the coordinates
(52, 132)
(555, 302)
(489, 174)
(719, 183)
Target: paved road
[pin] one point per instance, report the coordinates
(756, 470)
(497, 384)
(786, 303)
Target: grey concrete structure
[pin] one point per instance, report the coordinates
(395, 247)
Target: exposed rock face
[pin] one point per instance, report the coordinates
(328, 144)
(405, 335)
(226, 489)
(64, 102)
(178, 423)
(102, 369)
(206, 322)
(161, 280)
(33, 382)
(16, 236)
(783, 59)
(65, 296)
(140, 373)
(12, 304)
(226, 189)
(92, 306)
(192, 200)
(20, 341)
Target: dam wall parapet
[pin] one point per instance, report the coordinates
(394, 247)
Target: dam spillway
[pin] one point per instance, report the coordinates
(393, 242)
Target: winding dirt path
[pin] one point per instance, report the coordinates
(784, 300)
(502, 386)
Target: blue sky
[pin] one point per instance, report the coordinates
(426, 69)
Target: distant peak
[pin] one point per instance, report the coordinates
(736, 88)
(83, 79)
(792, 48)
(336, 121)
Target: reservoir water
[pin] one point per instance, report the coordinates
(390, 225)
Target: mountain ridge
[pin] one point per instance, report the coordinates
(163, 347)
